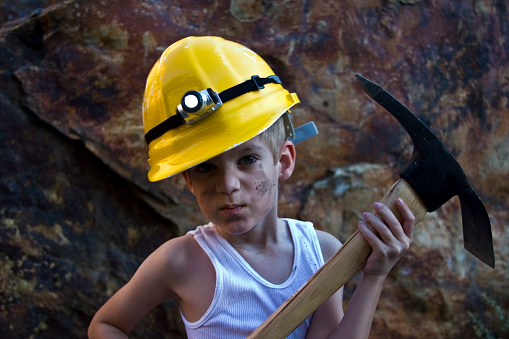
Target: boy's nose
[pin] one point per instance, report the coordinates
(228, 182)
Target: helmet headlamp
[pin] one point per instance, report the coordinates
(196, 105)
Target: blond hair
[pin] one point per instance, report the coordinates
(275, 136)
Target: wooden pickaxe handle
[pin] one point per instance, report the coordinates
(350, 258)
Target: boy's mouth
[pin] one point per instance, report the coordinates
(231, 208)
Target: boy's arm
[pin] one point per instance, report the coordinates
(389, 243)
(328, 316)
(150, 286)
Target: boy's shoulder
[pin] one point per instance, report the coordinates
(328, 243)
(179, 255)
(185, 270)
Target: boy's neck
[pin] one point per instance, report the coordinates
(268, 250)
(266, 234)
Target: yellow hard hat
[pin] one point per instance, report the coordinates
(204, 96)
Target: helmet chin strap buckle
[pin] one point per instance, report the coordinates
(256, 83)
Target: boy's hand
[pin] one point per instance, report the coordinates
(392, 240)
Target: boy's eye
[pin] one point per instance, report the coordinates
(204, 168)
(248, 159)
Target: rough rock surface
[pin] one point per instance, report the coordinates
(78, 215)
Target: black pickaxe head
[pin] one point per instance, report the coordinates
(436, 176)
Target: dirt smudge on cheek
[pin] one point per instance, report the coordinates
(264, 187)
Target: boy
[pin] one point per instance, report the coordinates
(214, 112)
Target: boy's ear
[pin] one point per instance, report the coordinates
(185, 175)
(286, 160)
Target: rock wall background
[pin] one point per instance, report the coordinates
(78, 214)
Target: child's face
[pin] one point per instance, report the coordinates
(238, 189)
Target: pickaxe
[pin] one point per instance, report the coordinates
(428, 181)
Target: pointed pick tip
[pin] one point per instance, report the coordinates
(369, 86)
(362, 79)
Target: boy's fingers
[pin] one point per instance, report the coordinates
(368, 234)
(381, 230)
(390, 222)
(408, 216)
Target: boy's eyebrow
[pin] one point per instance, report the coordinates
(250, 148)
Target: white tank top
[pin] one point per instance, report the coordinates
(243, 299)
